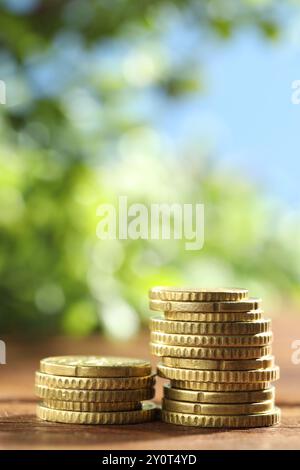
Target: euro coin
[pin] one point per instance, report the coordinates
(252, 315)
(217, 409)
(161, 325)
(148, 413)
(218, 397)
(207, 364)
(226, 376)
(241, 353)
(219, 387)
(260, 339)
(268, 418)
(95, 366)
(91, 406)
(104, 396)
(197, 294)
(205, 307)
(78, 383)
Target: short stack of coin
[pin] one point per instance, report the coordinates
(95, 390)
(215, 348)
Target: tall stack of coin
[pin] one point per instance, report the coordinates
(215, 347)
(95, 390)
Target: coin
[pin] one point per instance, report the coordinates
(197, 294)
(148, 413)
(210, 353)
(208, 421)
(260, 339)
(104, 396)
(205, 307)
(219, 387)
(95, 366)
(160, 324)
(217, 409)
(252, 315)
(218, 397)
(227, 376)
(77, 383)
(207, 364)
(90, 406)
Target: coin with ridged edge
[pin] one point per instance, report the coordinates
(207, 364)
(227, 376)
(90, 406)
(252, 315)
(104, 396)
(197, 294)
(205, 307)
(77, 383)
(149, 412)
(160, 324)
(218, 397)
(217, 409)
(219, 387)
(209, 353)
(260, 339)
(269, 418)
(95, 366)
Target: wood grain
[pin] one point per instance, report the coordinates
(20, 429)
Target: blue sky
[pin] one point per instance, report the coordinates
(253, 98)
(248, 110)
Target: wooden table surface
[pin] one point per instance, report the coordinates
(20, 429)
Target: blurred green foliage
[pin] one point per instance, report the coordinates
(84, 80)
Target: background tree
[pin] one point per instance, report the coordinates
(86, 83)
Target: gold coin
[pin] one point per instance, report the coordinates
(227, 376)
(208, 421)
(205, 307)
(77, 383)
(252, 315)
(219, 387)
(179, 294)
(104, 396)
(160, 325)
(218, 397)
(91, 407)
(217, 409)
(148, 413)
(95, 366)
(207, 364)
(158, 349)
(260, 339)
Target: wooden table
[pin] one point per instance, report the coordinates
(20, 429)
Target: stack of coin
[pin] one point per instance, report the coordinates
(95, 390)
(215, 347)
